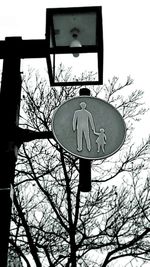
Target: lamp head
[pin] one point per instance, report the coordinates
(75, 31)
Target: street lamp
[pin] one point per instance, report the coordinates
(78, 32)
(69, 31)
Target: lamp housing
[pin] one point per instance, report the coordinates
(75, 31)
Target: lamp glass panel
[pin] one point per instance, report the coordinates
(52, 58)
(65, 23)
(51, 39)
(70, 69)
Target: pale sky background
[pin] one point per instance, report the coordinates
(126, 27)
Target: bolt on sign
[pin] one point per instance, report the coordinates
(88, 127)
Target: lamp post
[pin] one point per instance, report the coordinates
(12, 50)
(9, 115)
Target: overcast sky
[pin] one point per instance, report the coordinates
(126, 26)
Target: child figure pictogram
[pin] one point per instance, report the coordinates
(101, 140)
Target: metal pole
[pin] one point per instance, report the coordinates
(9, 119)
(84, 164)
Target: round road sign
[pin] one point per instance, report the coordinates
(89, 127)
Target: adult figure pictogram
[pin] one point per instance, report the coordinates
(82, 120)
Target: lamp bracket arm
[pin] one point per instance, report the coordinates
(26, 135)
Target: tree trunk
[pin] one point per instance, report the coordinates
(73, 249)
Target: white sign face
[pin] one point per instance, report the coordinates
(88, 127)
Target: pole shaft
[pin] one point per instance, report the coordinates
(84, 164)
(9, 119)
